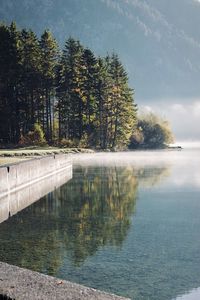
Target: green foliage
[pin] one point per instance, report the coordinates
(152, 132)
(121, 110)
(84, 142)
(69, 91)
(10, 75)
(136, 139)
(77, 98)
(95, 103)
(67, 143)
(35, 137)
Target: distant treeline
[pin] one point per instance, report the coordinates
(69, 97)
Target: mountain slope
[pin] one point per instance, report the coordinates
(158, 41)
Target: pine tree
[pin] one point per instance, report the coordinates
(89, 81)
(30, 89)
(70, 91)
(4, 81)
(49, 60)
(74, 96)
(121, 105)
(103, 86)
(10, 76)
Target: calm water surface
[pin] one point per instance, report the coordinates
(125, 223)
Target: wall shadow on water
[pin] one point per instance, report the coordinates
(89, 212)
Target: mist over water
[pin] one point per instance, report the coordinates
(139, 158)
(187, 144)
(127, 223)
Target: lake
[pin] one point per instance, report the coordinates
(126, 223)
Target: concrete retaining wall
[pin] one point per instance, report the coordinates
(16, 201)
(18, 176)
(3, 180)
(26, 182)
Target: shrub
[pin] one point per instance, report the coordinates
(35, 137)
(68, 143)
(84, 141)
(152, 132)
(137, 138)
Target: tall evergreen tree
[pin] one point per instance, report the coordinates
(121, 105)
(4, 81)
(49, 60)
(89, 81)
(30, 86)
(103, 86)
(10, 76)
(87, 98)
(70, 90)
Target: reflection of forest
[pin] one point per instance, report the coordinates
(90, 211)
(151, 176)
(87, 213)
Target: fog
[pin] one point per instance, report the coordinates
(139, 158)
(183, 166)
(183, 115)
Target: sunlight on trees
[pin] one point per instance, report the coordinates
(77, 98)
(152, 132)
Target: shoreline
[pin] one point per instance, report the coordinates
(20, 283)
(13, 156)
(38, 152)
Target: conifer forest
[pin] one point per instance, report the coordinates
(68, 97)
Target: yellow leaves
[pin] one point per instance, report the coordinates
(115, 88)
(77, 90)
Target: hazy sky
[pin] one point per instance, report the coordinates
(184, 117)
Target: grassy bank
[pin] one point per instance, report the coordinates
(36, 151)
(9, 156)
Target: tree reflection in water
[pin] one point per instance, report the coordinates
(89, 212)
